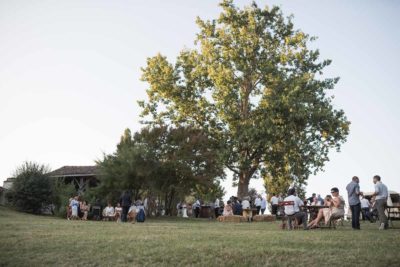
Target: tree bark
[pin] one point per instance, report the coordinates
(243, 185)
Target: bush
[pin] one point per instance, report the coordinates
(61, 194)
(32, 188)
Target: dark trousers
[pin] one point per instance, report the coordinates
(274, 209)
(124, 214)
(365, 214)
(262, 211)
(355, 216)
(301, 217)
(197, 212)
(216, 211)
(258, 209)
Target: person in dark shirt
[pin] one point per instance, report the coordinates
(238, 208)
(125, 201)
(311, 199)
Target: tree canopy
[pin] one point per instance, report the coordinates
(166, 162)
(254, 86)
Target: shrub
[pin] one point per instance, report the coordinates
(32, 188)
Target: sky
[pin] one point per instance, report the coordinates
(70, 77)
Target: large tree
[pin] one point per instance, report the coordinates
(255, 87)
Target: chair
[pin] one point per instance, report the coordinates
(96, 210)
(333, 220)
(288, 218)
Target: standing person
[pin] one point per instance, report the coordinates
(257, 203)
(85, 210)
(125, 202)
(353, 191)
(274, 204)
(74, 208)
(381, 195)
(263, 205)
(247, 212)
(217, 205)
(294, 210)
(196, 207)
(179, 209)
(365, 207)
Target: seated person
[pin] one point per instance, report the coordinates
(228, 209)
(109, 212)
(335, 210)
(237, 208)
(132, 213)
(247, 212)
(294, 210)
(118, 212)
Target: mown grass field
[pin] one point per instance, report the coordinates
(27, 240)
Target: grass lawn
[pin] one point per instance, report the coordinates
(37, 240)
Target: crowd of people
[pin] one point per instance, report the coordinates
(330, 208)
(125, 210)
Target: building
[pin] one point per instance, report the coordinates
(2, 196)
(7, 184)
(82, 177)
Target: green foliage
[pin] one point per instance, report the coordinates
(163, 162)
(61, 194)
(32, 188)
(256, 89)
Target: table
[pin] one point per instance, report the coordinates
(313, 210)
(205, 211)
(393, 214)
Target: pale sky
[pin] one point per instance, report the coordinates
(69, 77)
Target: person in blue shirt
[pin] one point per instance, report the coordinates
(353, 191)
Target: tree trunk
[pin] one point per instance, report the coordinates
(243, 185)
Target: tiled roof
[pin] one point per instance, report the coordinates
(74, 171)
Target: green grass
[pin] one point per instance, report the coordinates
(37, 240)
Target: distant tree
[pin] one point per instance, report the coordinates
(126, 169)
(184, 163)
(255, 87)
(32, 188)
(169, 162)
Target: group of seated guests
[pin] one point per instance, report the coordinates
(77, 209)
(334, 209)
(235, 206)
(114, 214)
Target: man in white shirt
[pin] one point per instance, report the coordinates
(257, 203)
(381, 194)
(365, 206)
(263, 205)
(274, 204)
(294, 210)
(179, 209)
(247, 212)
